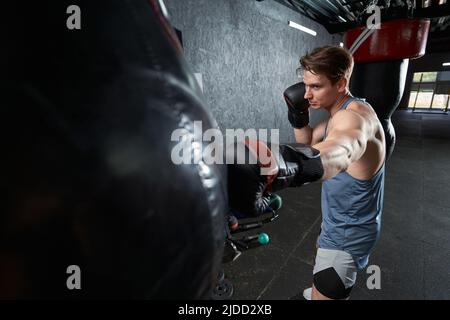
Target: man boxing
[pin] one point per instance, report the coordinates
(351, 150)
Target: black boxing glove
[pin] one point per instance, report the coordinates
(298, 164)
(251, 169)
(265, 170)
(298, 113)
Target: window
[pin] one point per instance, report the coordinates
(430, 91)
(428, 76)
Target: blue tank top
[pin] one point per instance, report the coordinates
(351, 212)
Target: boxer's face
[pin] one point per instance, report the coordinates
(319, 90)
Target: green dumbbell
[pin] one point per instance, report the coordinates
(275, 201)
(263, 238)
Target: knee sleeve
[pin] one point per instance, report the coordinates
(328, 283)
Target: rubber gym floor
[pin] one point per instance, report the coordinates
(413, 253)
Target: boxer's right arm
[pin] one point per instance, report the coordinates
(304, 135)
(311, 136)
(318, 132)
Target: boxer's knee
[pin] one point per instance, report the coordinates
(334, 273)
(328, 283)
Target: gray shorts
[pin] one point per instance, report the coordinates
(334, 273)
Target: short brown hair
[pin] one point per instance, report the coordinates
(331, 61)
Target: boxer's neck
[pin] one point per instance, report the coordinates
(339, 102)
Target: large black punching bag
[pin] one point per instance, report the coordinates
(381, 54)
(92, 204)
(382, 85)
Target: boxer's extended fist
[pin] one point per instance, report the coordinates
(251, 170)
(257, 170)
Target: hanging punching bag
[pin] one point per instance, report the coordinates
(381, 59)
(92, 204)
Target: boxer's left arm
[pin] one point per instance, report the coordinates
(345, 143)
(298, 164)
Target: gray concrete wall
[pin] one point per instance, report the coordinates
(247, 55)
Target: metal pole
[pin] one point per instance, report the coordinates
(417, 94)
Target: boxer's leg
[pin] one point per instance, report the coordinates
(334, 274)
